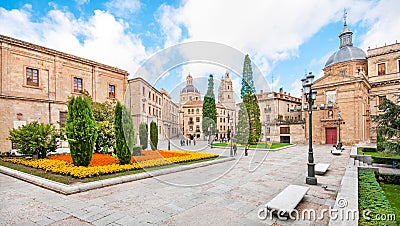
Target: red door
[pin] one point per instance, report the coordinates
(331, 135)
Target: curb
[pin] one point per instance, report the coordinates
(72, 189)
(256, 149)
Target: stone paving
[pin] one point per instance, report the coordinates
(229, 193)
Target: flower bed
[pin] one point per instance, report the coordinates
(104, 164)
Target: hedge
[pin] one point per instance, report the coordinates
(389, 178)
(372, 198)
(386, 160)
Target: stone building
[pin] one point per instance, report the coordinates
(35, 83)
(147, 104)
(280, 120)
(352, 84)
(191, 107)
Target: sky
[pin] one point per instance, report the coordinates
(285, 39)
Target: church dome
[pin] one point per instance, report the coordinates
(189, 88)
(346, 50)
(346, 53)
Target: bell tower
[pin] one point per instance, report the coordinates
(225, 92)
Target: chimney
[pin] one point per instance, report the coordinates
(281, 90)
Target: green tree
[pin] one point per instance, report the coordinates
(209, 109)
(249, 97)
(104, 116)
(153, 135)
(388, 125)
(81, 130)
(124, 134)
(143, 135)
(35, 139)
(242, 135)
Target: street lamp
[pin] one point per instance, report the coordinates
(310, 97)
(265, 131)
(339, 145)
(230, 120)
(169, 134)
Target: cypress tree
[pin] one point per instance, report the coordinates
(209, 109)
(124, 134)
(242, 135)
(143, 135)
(249, 97)
(81, 130)
(153, 135)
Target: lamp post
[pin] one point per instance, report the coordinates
(169, 134)
(339, 144)
(230, 120)
(265, 131)
(310, 97)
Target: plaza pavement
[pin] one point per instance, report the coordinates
(229, 193)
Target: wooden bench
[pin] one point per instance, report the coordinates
(321, 168)
(287, 200)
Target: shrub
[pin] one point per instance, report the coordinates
(371, 197)
(380, 142)
(153, 136)
(389, 178)
(386, 160)
(143, 135)
(35, 139)
(137, 150)
(124, 134)
(81, 130)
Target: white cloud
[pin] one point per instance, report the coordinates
(101, 37)
(123, 8)
(295, 88)
(82, 2)
(267, 30)
(383, 20)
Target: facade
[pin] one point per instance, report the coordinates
(147, 104)
(191, 107)
(35, 83)
(280, 120)
(353, 83)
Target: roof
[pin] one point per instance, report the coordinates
(346, 53)
(189, 88)
(193, 103)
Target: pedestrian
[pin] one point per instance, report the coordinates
(187, 142)
(234, 149)
(194, 141)
(246, 149)
(190, 142)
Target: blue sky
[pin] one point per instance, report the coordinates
(284, 38)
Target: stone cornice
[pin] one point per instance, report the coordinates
(38, 48)
(32, 99)
(385, 83)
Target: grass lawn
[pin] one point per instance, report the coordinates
(273, 146)
(392, 192)
(71, 180)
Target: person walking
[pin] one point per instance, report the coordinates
(246, 149)
(234, 150)
(194, 141)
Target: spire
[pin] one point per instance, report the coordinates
(346, 34)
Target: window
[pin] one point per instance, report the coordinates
(190, 120)
(398, 65)
(220, 120)
(32, 77)
(381, 69)
(343, 73)
(188, 111)
(268, 130)
(63, 118)
(78, 85)
(149, 110)
(381, 99)
(229, 97)
(197, 128)
(331, 97)
(144, 91)
(197, 119)
(111, 91)
(267, 118)
(144, 108)
(197, 111)
(190, 128)
(149, 94)
(285, 130)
